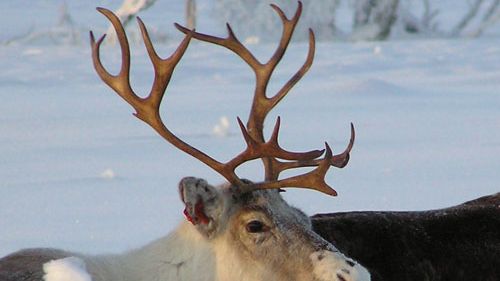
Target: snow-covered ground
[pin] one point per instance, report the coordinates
(78, 171)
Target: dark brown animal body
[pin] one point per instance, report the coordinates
(457, 243)
(27, 265)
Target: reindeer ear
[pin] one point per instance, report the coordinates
(203, 204)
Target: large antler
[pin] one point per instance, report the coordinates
(263, 104)
(147, 109)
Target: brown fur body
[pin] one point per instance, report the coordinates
(457, 243)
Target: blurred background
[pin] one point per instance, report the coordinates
(67, 22)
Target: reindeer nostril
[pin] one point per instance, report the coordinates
(340, 277)
(351, 263)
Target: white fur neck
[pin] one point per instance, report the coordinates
(183, 255)
(229, 267)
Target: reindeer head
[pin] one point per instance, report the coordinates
(247, 222)
(258, 236)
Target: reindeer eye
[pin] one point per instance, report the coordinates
(255, 227)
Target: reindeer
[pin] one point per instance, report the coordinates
(240, 230)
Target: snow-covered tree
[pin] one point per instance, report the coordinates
(127, 11)
(478, 16)
(255, 20)
(63, 32)
(190, 14)
(373, 20)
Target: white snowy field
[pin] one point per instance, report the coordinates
(79, 172)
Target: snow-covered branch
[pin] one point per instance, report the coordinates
(253, 20)
(127, 11)
(373, 19)
(491, 17)
(471, 14)
(64, 32)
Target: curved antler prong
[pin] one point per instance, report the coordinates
(96, 46)
(299, 74)
(230, 42)
(288, 29)
(163, 67)
(341, 160)
(282, 15)
(269, 149)
(230, 33)
(120, 82)
(280, 153)
(251, 143)
(279, 11)
(276, 130)
(338, 161)
(314, 179)
(122, 39)
(147, 42)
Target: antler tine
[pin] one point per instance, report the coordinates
(314, 179)
(271, 148)
(288, 29)
(163, 67)
(279, 152)
(147, 109)
(339, 160)
(230, 42)
(120, 82)
(299, 74)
